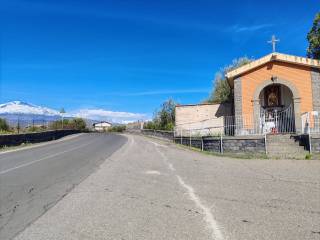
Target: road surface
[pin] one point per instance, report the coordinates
(34, 179)
(154, 190)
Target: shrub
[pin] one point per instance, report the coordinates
(308, 156)
(34, 129)
(78, 124)
(4, 125)
(118, 128)
(164, 119)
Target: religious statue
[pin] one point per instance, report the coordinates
(273, 96)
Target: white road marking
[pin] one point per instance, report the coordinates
(211, 222)
(153, 172)
(44, 158)
(158, 145)
(165, 159)
(171, 167)
(128, 145)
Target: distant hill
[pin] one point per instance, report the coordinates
(27, 113)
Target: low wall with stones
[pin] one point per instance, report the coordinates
(158, 133)
(247, 144)
(315, 143)
(17, 139)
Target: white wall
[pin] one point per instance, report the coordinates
(201, 119)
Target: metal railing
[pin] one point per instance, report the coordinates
(311, 122)
(242, 125)
(37, 124)
(278, 121)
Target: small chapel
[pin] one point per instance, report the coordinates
(274, 93)
(277, 93)
(275, 104)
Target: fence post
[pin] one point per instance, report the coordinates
(174, 135)
(265, 143)
(221, 145)
(181, 136)
(309, 134)
(201, 143)
(190, 138)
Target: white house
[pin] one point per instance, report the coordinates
(102, 126)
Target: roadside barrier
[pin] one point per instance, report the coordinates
(17, 139)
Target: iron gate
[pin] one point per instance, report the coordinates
(273, 121)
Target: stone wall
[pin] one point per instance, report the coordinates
(17, 139)
(248, 144)
(158, 133)
(237, 91)
(315, 143)
(315, 78)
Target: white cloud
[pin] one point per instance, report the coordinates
(106, 115)
(249, 28)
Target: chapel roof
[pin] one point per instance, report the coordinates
(272, 57)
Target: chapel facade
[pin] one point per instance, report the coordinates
(273, 93)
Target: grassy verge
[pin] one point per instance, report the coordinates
(314, 156)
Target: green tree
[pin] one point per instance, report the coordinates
(313, 37)
(4, 125)
(221, 91)
(164, 118)
(149, 125)
(118, 128)
(58, 124)
(78, 124)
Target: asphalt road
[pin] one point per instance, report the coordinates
(154, 190)
(34, 179)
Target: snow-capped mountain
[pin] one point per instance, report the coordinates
(19, 107)
(26, 114)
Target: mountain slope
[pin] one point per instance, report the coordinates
(18, 107)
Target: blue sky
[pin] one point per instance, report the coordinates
(130, 56)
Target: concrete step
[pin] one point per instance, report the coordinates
(284, 146)
(279, 146)
(287, 156)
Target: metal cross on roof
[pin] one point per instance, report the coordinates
(273, 41)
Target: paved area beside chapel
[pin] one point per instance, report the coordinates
(154, 190)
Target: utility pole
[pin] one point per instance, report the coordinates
(18, 126)
(62, 111)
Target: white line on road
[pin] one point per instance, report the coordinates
(44, 158)
(171, 167)
(153, 172)
(158, 145)
(211, 222)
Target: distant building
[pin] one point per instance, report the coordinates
(138, 125)
(102, 126)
